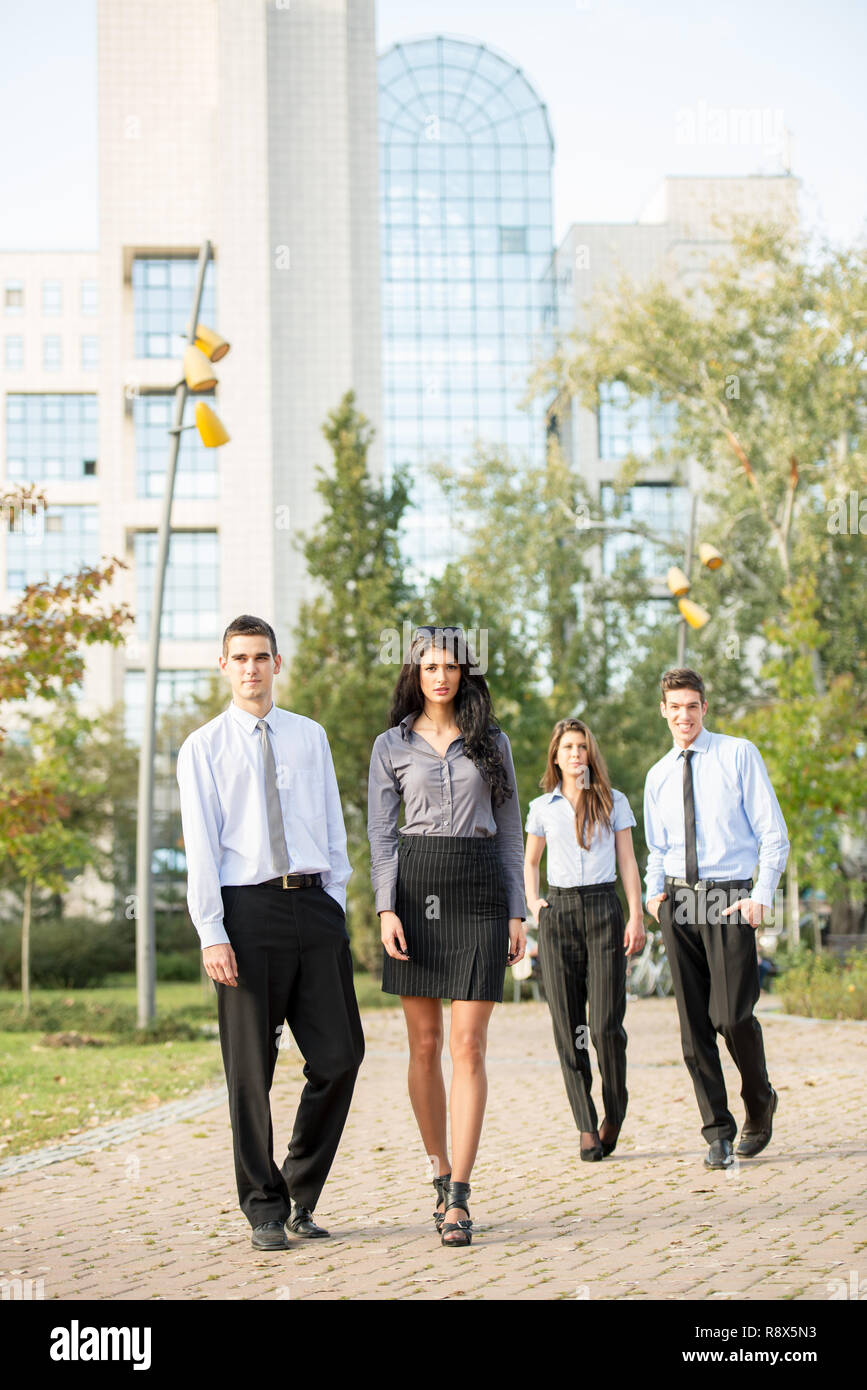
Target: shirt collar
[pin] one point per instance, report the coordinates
(699, 745)
(405, 724)
(557, 791)
(249, 721)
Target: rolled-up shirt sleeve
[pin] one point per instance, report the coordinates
(383, 809)
(201, 818)
(510, 839)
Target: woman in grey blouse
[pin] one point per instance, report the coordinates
(449, 891)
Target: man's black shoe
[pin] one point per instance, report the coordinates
(754, 1140)
(719, 1155)
(270, 1236)
(301, 1223)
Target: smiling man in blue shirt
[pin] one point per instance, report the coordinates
(710, 815)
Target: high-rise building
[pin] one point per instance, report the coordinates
(466, 152)
(251, 124)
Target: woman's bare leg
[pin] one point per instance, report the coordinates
(427, 1092)
(468, 1040)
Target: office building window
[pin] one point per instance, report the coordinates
(57, 542)
(191, 600)
(52, 352)
(90, 296)
(51, 437)
(513, 239)
(632, 426)
(661, 507)
(14, 356)
(52, 297)
(196, 474)
(173, 689)
(89, 352)
(13, 298)
(163, 291)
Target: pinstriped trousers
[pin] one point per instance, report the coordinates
(581, 956)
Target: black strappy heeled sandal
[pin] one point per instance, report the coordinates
(457, 1195)
(441, 1184)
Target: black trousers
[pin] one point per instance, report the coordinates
(714, 968)
(581, 954)
(292, 949)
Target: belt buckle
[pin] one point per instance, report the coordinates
(285, 878)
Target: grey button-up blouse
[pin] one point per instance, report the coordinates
(441, 796)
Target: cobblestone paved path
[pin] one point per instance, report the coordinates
(152, 1214)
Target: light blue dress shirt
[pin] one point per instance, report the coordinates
(552, 817)
(736, 813)
(221, 775)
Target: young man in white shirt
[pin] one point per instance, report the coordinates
(710, 813)
(266, 886)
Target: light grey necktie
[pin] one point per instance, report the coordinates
(279, 853)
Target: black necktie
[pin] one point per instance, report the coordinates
(690, 846)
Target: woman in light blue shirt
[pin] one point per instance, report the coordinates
(583, 939)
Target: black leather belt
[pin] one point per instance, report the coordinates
(292, 881)
(705, 883)
(582, 888)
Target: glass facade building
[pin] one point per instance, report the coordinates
(196, 474)
(466, 153)
(662, 507)
(52, 545)
(53, 436)
(192, 587)
(163, 289)
(636, 425)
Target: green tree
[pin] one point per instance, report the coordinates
(342, 674)
(57, 837)
(812, 747)
(764, 364)
(41, 663)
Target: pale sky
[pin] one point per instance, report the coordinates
(634, 92)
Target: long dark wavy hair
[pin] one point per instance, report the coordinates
(472, 707)
(596, 801)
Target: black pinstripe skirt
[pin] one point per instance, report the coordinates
(451, 900)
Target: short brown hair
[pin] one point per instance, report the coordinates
(247, 626)
(682, 678)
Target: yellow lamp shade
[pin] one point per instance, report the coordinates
(710, 556)
(197, 370)
(677, 581)
(693, 613)
(210, 343)
(211, 429)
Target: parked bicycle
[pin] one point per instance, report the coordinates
(650, 972)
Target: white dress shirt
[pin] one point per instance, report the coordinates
(221, 775)
(736, 813)
(552, 817)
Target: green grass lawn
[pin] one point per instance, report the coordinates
(49, 1092)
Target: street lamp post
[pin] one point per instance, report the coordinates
(677, 580)
(145, 922)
